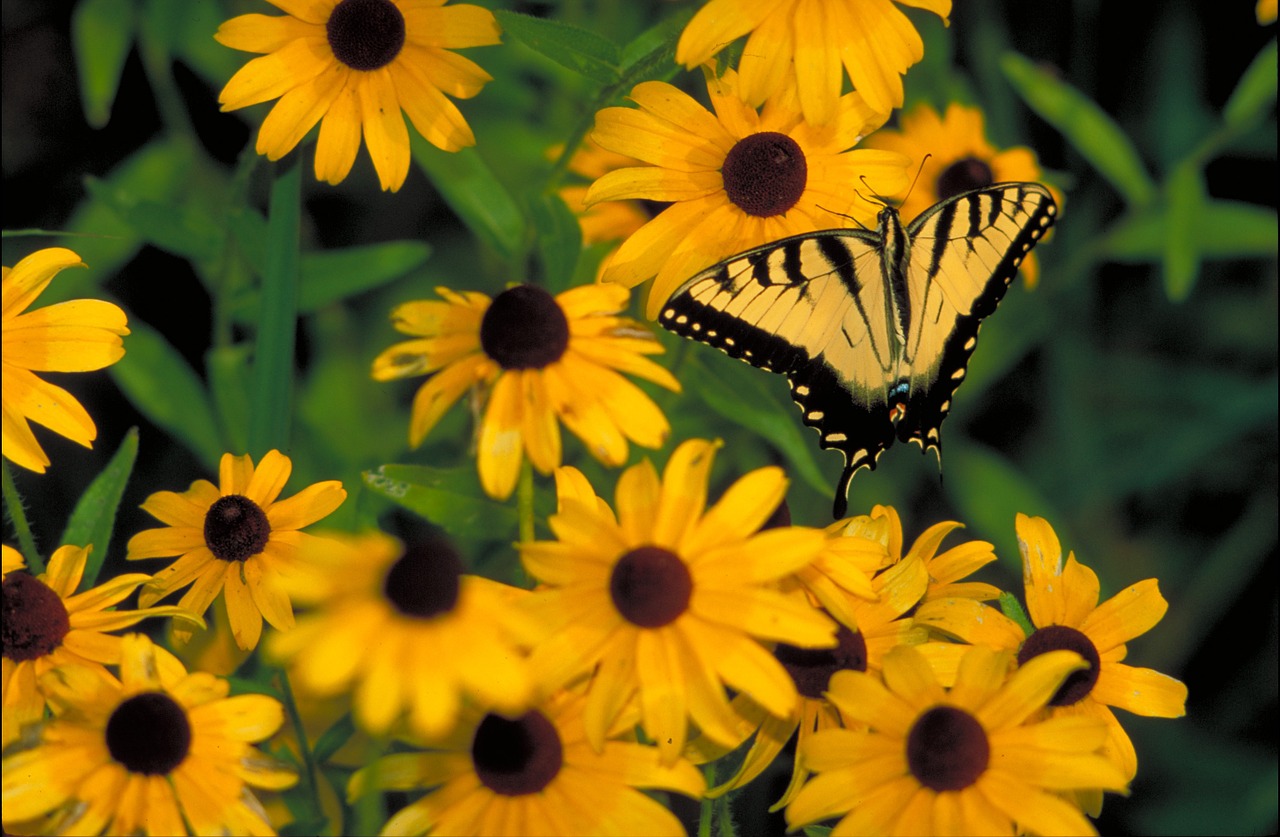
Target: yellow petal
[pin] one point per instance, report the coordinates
(339, 139)
(263, 33)
(271, 76)
(27, 279)
(500, 445)
(384, 130)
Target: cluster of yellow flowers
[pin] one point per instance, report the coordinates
(665, 630)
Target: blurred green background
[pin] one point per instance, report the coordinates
(1131, 399)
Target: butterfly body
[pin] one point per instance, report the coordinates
(873, 329)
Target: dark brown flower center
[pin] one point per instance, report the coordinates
(517, 757)
(947, 749)
(149, 733)
(524, 328)
(365, 34)
(424, 582)
(1057, 637)
(811, 668)
(765, 174)
(35, 619)
(650, 586)
(236, 528)
(963, 175)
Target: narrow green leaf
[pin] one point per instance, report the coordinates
(472, 191)
(333, 275)
(559, 240)
(653, 51)
(101, 35)
(1255, 93)
(584, 52)
(156, 380)
(228, 369)
(1222, 229)
(94, 516)
(1086, 126)
(740, 394)
(1185, 194)
(449, 498)
(333, 739)
(273, 361)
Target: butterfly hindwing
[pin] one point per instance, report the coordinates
(873, 329)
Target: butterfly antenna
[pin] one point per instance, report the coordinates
(916, 179)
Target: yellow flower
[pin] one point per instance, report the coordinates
(969, 760)
(1266, 12)
(954, 156)
(945, 569)
(533, 774)
(872, 39)
(537, 358)
(355, 64)
(737, 177)
(1062, 601)
(236, 536)
(153, 753)
(671, 599)
(47, 625)
(80, 335)
(407, 630)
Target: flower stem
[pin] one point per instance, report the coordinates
(1012, 608)
(18, 516)
(304, 746)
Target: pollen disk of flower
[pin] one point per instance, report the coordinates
(765, 174)
(811, 668)
(517, 757)
(947, 749)
(1056, 637)
(365, 34)
(962, 176)
(149, 733)
(35, 619)
(524, 328)
(424, 582)
(236, 528)
(650, 586)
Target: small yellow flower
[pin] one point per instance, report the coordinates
(670, 599)
(407, 630)
(47, 625)
(235, 536)
(533, 773)
(736, 177)
(537, 359)
(80, 335)
(1062, 601)
(1266, 12)
(356, 64)
(157, 752)
(809, 41)
(954, 156)
(973, 759)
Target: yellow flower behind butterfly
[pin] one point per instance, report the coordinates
(79, 335)
(353, 66)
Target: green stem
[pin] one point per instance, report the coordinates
(304, 746)
(1012, 608)
(18, 516)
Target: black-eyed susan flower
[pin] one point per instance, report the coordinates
(538, 360)
(353, 66)
(813, 43)
(973, 759)
(157, 752)
(235, 537)
(1062, 602)
(79, 335)
(735, 178)
(407, 629)
(670, 599)
(533, 773)
(954, 156)
(48, 624)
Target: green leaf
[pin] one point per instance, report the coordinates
(1086, 126)
(475, 195)
(559, 240)
(584, 52)
(184, 230)
(1255, 92)
(228, 371)
(1185, 194)
(101, 36)
(94, 516)
(271, 392)
(450, 498)
(156, 380)
(334, 275)
(1222, 229)
(989, 492)
(741, 394)
(333, 739)
(652, 52)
